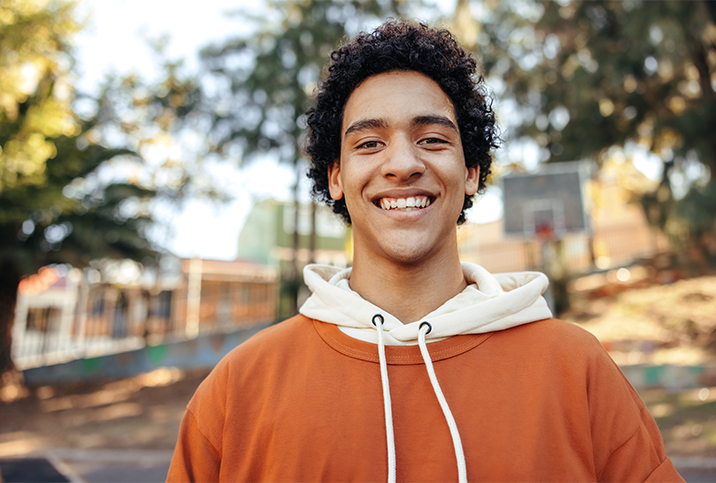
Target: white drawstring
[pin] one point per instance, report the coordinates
(425, 329)
(378, 322)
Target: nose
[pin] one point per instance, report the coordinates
(402, 161)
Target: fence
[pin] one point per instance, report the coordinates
(73, 319)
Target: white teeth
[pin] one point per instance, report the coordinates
(405, 204)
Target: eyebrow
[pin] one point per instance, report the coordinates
(364, 124)
(440, 120)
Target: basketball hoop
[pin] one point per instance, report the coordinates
(544, 220)
(544, 232)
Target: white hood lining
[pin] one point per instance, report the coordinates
(489, 303)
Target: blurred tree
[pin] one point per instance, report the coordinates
(262, 83)
(64, 194)
(586, 76)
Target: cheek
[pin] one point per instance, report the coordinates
(356, 174)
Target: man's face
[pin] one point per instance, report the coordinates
(402, 169)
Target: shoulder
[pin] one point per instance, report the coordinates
(570, 344)
(259, 351)
(557, 327)
(555, 335)
(275, 340)
(281, 332)
(570, 351)
(244, 367)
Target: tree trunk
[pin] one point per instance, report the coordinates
(313, 241)
(9, 281)
(293, 268)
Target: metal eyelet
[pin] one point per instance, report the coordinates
(379, 317)
(430, 327)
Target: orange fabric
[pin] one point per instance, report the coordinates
(301, 401)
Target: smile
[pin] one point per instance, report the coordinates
(405, 204)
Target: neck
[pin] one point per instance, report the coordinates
(408, 291)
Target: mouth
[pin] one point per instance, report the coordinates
(410, 203)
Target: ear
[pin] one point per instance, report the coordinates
(472, 180)
(335, 184)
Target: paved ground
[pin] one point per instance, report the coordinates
(110, 432)
(113, 466)
(696, 469)
(139, 413)
(93, 466)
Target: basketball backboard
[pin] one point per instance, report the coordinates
(547, 204)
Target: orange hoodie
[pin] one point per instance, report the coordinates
(302, 401)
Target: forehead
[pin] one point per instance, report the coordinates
(397, 96)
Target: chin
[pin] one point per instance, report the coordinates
(408, 254)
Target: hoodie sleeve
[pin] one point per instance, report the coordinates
(642, 454)
(628, 444)
(198, 452)
(195, 458)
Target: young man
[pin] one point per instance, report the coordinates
(412, 366)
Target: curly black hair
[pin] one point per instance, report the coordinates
(400, 45)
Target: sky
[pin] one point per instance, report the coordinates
(117, 39)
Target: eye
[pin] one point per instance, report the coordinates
(433, 141)
(369, 145)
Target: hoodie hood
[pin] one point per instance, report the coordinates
(489, 303)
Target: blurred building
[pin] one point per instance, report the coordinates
(267, 235)
(63, 313)
(619, 232)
